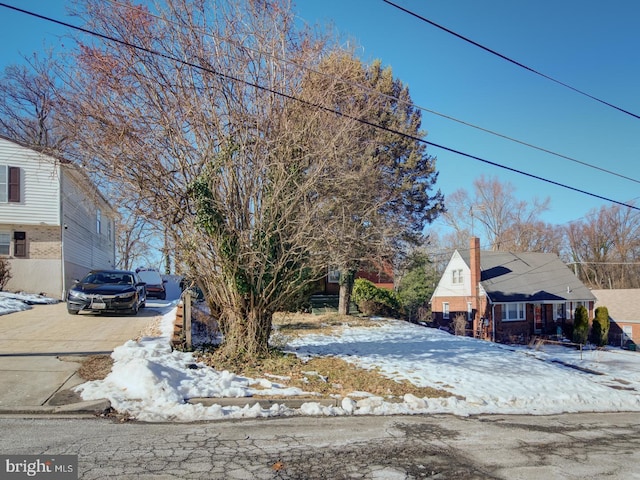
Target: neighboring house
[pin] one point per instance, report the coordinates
(54, 225)
(509, 296)
(381, 277)
(326, 294)
(623, 306)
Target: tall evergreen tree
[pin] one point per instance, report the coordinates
(390, 197)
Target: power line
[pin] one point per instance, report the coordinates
(313, 105)
(370, 90)
(508, 59)
(384, 95)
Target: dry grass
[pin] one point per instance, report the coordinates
(323, 375)
(299, 324)
(96, 367)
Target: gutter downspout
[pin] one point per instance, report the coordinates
(62, 228)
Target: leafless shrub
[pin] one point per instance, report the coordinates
(459, 324)
(5, 272)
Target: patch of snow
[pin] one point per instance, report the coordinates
(151, 382)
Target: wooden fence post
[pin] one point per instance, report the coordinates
(186, 319)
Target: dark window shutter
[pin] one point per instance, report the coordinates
(19, 244)
(14, 184)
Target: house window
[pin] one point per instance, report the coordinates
(558, 311)
(19, 244)
(445, 310)
(9, 184)
(456, 276)
(513, 311)
(627, 333)
(98, 221)
(469, 312)
(333, 276)
(5, 243)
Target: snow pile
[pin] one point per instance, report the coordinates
(16, 302)
(152, 383)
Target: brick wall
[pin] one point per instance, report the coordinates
(43, 242)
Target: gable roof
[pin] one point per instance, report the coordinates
(622, 304)
(527, 277)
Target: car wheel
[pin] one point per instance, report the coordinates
(143, 304)
(72, 312)
(134, 310)
(163, 296)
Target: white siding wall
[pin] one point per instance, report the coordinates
(54, 194)
(39, 189)
(446, 287)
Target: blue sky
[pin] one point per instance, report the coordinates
(592, 46)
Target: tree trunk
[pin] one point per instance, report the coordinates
(346, 287)
(246, 333)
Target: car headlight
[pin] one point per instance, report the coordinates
(77, 294)
(124, 296)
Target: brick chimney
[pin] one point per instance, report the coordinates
(474, 265)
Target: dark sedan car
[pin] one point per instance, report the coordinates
(107, 291)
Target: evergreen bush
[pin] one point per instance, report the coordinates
(600, 329)
(372, 300)
(581, 325)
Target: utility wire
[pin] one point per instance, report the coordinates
(311, 104)
(418, 107)
(389, 97)
(510, 60)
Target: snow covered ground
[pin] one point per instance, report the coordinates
(151, 383)
(16, 302)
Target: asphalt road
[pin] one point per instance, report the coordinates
(574, 446)
(40, 349)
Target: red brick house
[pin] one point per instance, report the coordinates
(509, 296)
(623, 306)
(381, 277)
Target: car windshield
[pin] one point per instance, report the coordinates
(150, 277)
(109, 277)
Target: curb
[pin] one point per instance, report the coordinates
(290, 402)
(89, 407)
(94, 407)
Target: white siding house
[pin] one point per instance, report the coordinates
(54, 225)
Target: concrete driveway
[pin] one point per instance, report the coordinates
(41, 350)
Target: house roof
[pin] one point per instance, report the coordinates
(527, 277)
(622, 304)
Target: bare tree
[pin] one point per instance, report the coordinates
(508, 223)
(27, 103)
(134, 240)
(605, 247)
(196, 114)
